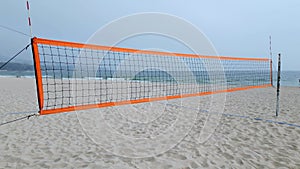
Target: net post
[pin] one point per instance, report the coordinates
(38, 74)
(28, 16)
(271, 72)
(278, 84)
(271, 61)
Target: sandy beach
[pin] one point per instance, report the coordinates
(246, 135)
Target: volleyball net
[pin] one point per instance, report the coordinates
(73, 76)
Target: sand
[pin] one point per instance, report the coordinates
(241, 137)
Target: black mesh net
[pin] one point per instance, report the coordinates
(79, 76)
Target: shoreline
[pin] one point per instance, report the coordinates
(283, 84)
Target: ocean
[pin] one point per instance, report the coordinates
(288, 78)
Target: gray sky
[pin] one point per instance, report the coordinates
(235, 27)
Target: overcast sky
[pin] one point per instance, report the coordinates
(235, 27)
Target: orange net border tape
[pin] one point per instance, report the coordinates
(35, 41)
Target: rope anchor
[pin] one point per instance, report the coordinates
(19, 119)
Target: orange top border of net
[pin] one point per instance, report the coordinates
(128, 50)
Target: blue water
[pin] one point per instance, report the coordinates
(288, 78)
(16, 73)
